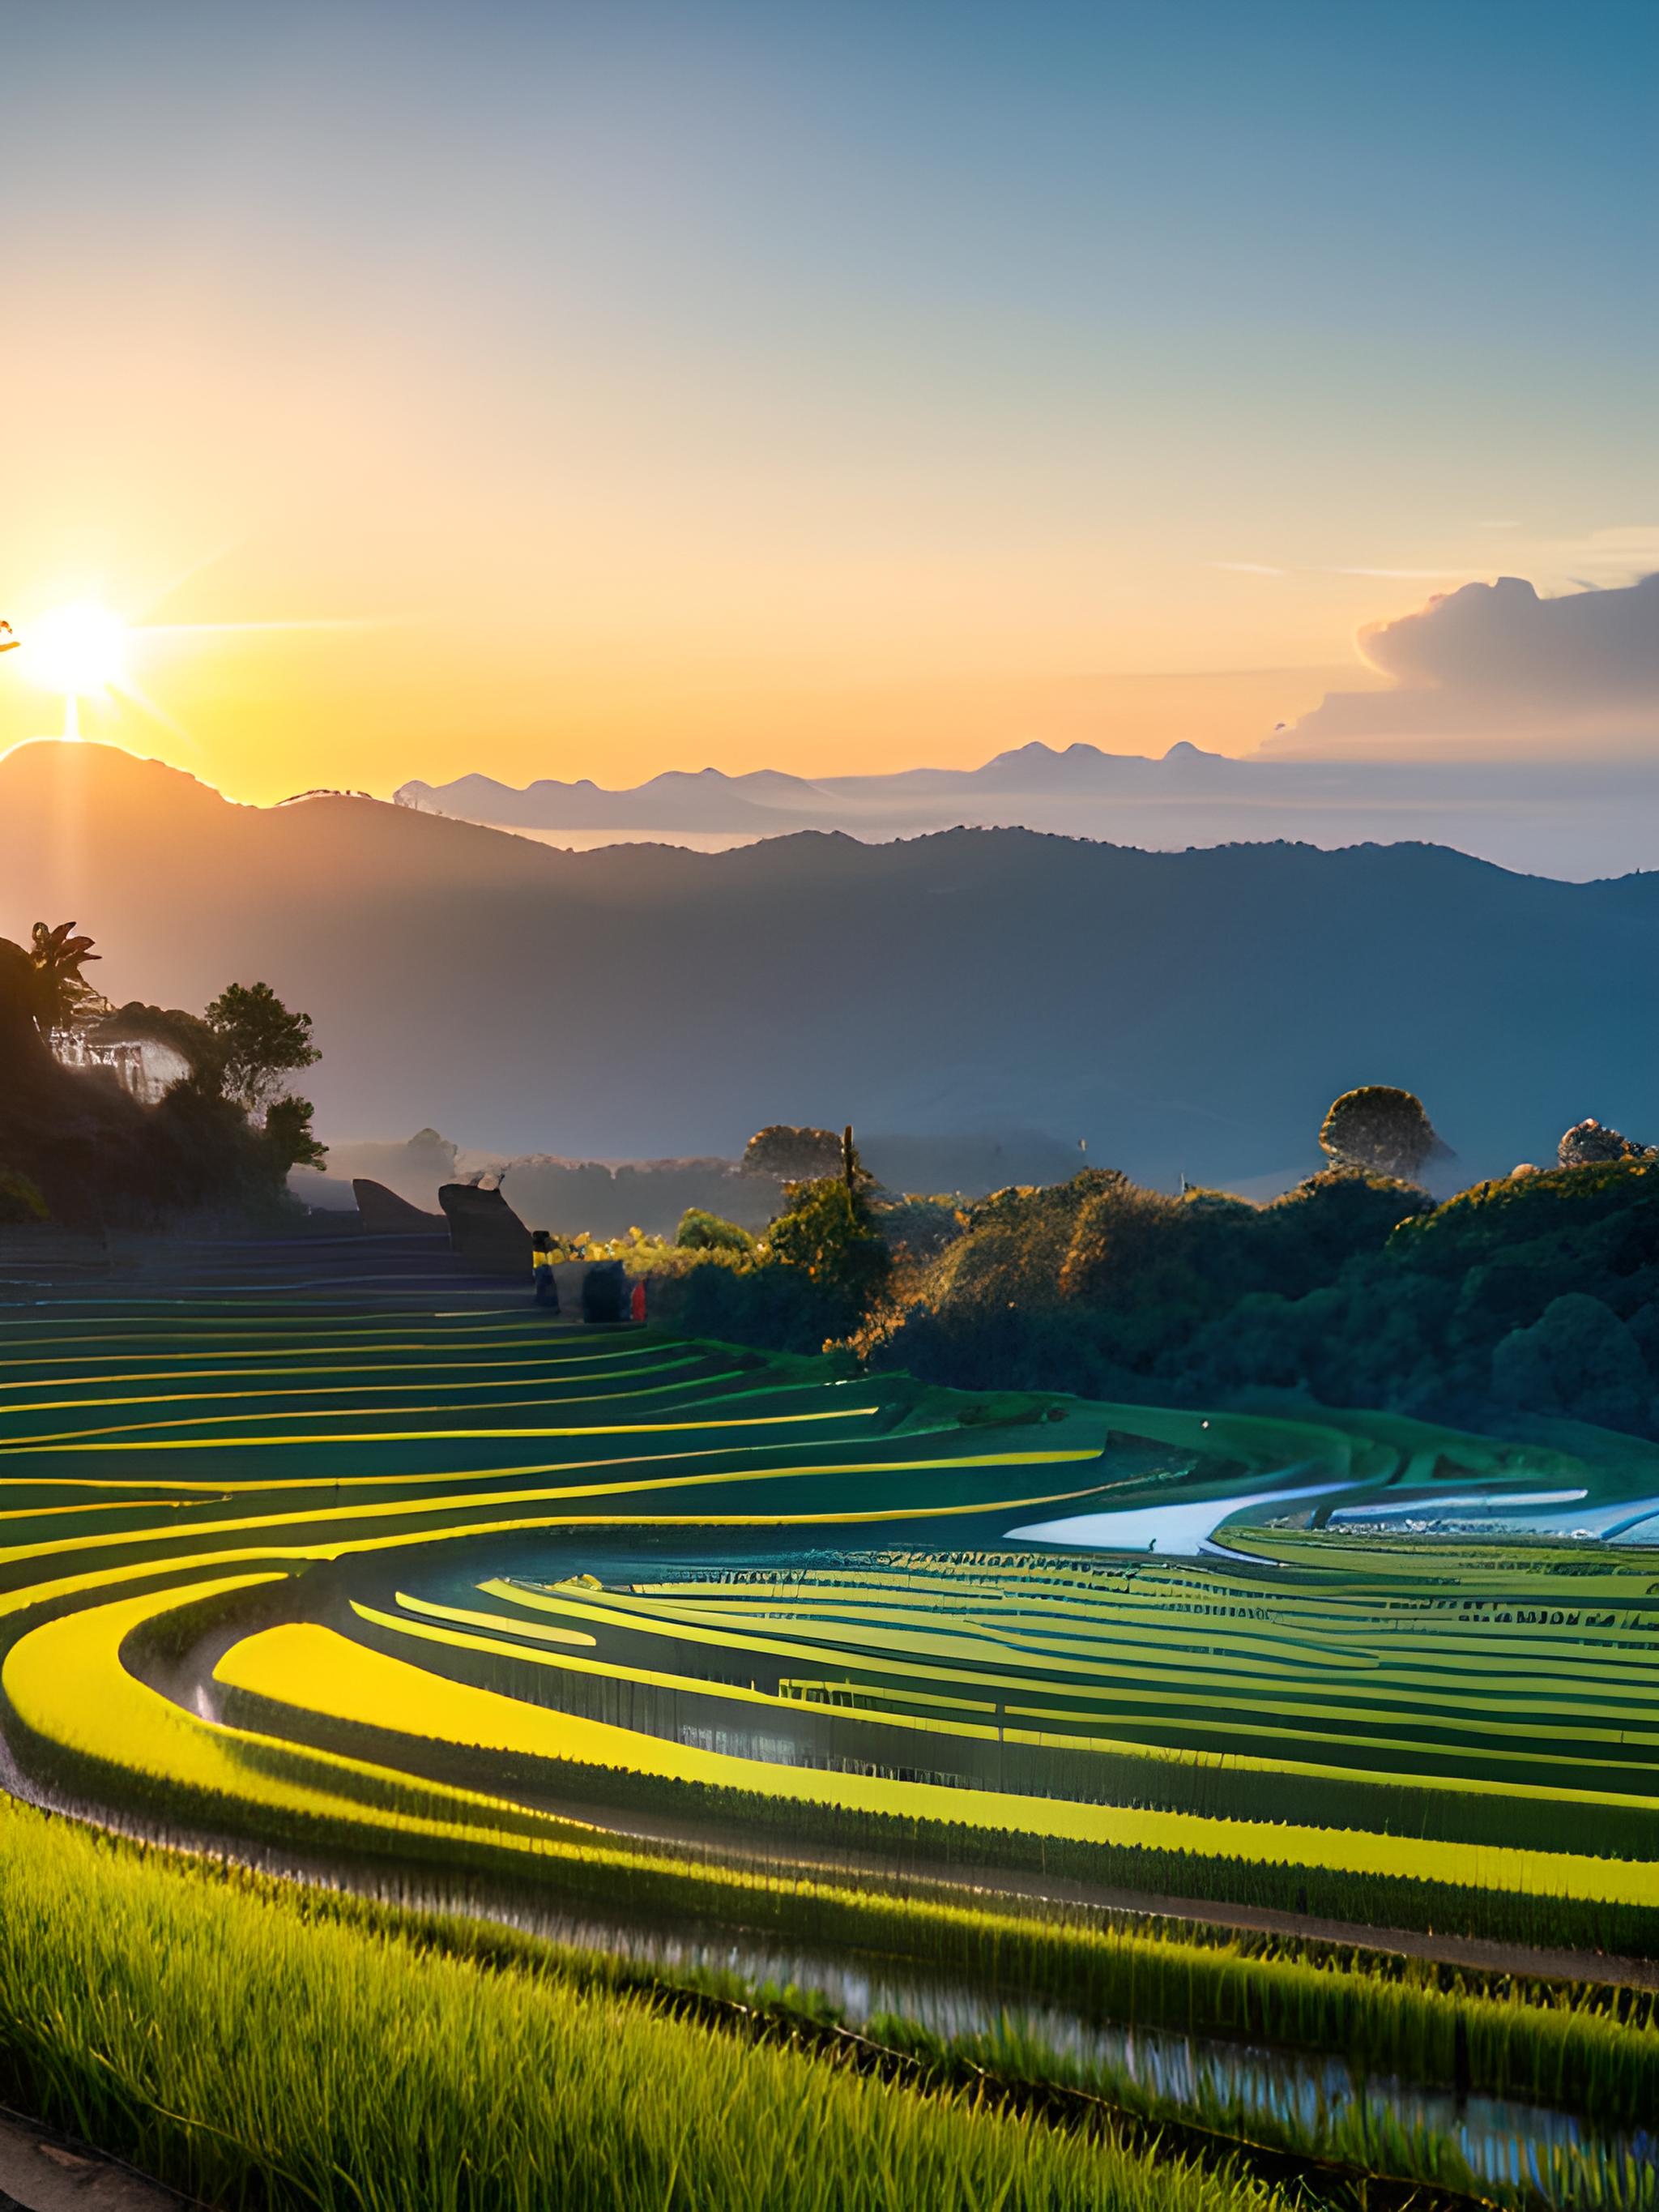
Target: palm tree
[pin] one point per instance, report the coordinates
(61, 991)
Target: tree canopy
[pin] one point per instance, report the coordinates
(1381, 1130)
(289, 1136)
(58, 957)
(260, 1042)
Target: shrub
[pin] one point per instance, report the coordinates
(702, 1231)
(917, 1229)
(829, 1236)
(1307, 1236)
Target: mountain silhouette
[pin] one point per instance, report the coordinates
(1544, 817)
(1185, 1012)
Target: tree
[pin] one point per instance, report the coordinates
(1382, 1130)
(289, 1134)
(260, 1042)
(828, 1233)
(61, 991)
(793, 1155)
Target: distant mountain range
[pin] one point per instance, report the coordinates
(1544, 819)
(1188, 1012)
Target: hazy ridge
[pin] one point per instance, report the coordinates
(1541, 816)
(1188, 1012)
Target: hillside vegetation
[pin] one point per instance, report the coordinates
(1534, 1295)
(77, 1150)
(1538, 1294)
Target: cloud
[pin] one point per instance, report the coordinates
(1495, 662)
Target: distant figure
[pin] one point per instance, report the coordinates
(544, 1284)
(636, 1304)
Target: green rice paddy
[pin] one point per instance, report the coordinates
(254, 2056)
(618, 1620)
(472, 1535)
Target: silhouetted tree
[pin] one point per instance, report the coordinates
(1382, 1130)
(258, 1042)
(289, 1135)
(61, 991)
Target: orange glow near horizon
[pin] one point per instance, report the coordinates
(609, 389)
(261, 709)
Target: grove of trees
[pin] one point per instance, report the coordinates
(75, 1147)
(1536, 1295)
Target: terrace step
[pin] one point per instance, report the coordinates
(45, 1254)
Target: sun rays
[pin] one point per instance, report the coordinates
(83, 650)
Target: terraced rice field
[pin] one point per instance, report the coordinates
(446, 1581)
(661, 1642)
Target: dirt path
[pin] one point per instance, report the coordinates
(44, 2173)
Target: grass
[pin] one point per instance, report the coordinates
(65, 1678)
(256, 2046)
(251, 2056)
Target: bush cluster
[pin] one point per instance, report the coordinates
(1538, 1294)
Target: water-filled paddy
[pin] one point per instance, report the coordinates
(417, 1585)
(1320, 2099)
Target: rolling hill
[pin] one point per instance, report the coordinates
(1186, 1012)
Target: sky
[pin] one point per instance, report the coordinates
(576, 389)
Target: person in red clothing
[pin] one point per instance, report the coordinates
(636, 1304)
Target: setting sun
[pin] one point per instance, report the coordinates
(78, 649)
